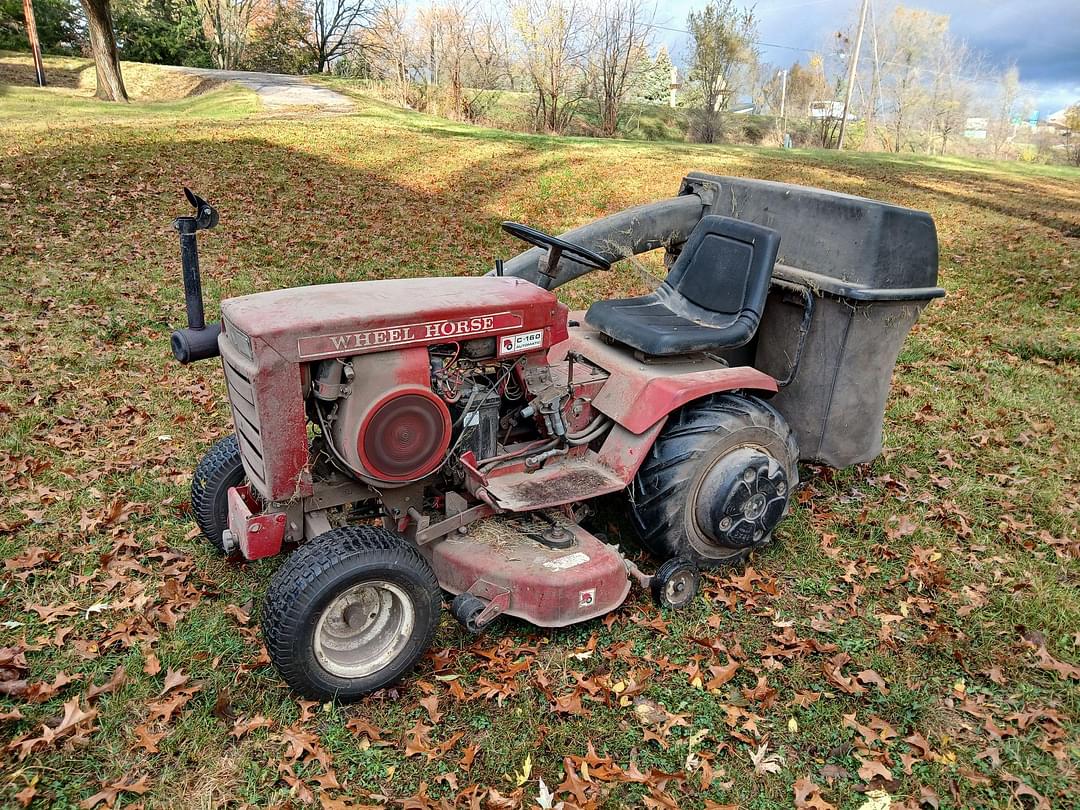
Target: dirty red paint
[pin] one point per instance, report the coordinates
(548, 587)
(271, 422)
(434, 449)
(301, 323)
(258, 535)
(624, 451)
(639, 393)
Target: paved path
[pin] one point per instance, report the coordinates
(277, 90)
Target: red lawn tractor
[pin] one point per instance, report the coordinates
(416, 438)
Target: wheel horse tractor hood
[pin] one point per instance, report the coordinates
(416, 440)
(303, 324)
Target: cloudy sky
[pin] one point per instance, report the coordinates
(1041, 36)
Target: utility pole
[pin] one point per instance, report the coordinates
(851, 72)
(783, 95)
(874, 100)
(35, 45)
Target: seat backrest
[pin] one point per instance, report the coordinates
(725, 266)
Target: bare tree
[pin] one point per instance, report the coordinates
(552, 51)
(464, 62)
(950, 94)
(390, 44)
(335, 28)
(443, 28)
(489, 46)
(721, 37)
(912, 36)
(110, 82)
(226, 22)
(1071, 134)
(1001, 123)
(621, 36)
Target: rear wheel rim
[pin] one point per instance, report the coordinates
(363, 629)
(700, 540)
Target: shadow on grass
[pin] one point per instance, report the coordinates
(17, 74)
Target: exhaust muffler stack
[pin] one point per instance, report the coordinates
(199, 340)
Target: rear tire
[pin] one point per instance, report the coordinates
(219, 470)
(725, 452)
(349, 612)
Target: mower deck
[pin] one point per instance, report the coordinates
(511, 563)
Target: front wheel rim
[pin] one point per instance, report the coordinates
(363, 629)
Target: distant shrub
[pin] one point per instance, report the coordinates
(755, 128)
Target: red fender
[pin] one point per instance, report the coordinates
(639, 394)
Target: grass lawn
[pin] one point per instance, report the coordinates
(915, 630)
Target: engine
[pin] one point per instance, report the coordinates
(397, 417)
(479, 390)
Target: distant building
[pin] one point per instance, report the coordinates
(975, 128)
(829, 109)
(1057, 120)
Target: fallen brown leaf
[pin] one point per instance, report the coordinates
(173, 679)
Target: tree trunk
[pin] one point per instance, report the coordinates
(110, 84)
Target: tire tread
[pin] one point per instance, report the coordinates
(217, 470)
(286, 601)
(658, 491)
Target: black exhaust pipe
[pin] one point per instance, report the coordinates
(199, 340)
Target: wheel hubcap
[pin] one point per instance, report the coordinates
(680, 587)
(741, 499)
(363, 629)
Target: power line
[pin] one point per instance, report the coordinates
(673, 30)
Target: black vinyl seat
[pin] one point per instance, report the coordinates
(711, 299)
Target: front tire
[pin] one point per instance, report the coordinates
(219, 470)
(350, 612)
(716, 481)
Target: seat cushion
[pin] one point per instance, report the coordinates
(648, 325)
(712, 298)
(723, 284)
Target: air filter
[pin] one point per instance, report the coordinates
(405, 436)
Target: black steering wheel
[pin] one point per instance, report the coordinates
(556, 248)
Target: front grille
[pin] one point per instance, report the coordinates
(246, 419)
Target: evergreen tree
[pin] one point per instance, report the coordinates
(165, 32)
(654, 80)
(60, 26)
